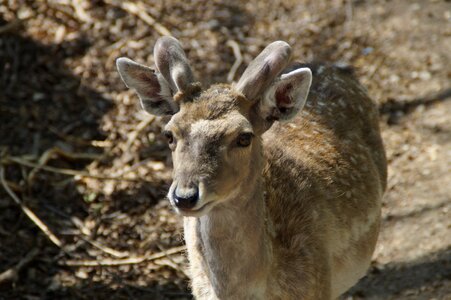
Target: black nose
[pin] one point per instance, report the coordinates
(186, 198)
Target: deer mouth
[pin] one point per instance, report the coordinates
(195, 212)
(205, 201)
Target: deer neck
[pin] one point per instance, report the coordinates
(233, 245)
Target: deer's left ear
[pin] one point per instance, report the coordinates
(286, 96)
(152, 88)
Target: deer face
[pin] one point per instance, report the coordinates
(214, 146)
(215, 135)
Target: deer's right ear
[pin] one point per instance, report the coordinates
(153, 90)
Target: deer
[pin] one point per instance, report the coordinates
(278, 177)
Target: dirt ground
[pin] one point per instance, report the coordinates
(76, 151)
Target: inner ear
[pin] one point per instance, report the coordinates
(287, 95)
(263, 69)
(283, 98)
(153, 90)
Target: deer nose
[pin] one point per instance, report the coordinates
(186, 197)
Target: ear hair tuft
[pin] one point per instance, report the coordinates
(191, 90)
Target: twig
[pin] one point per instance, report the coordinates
(101, 144)
(391, 106)
(141, 126)
(114, 49)
(349, 15)
(168, 261)
(171, 264)
(13, 186)
(47, 155)
(55, 7)
(80, 11)
(86, 236)
(105, 249)
(238, 59)
(4, 232)
(27, 211)
(80, 141)
(120, 262)
(74, 155)
(374, 70)
(13, 273)
(128, 169)
(139, 10)
(69, 172)
(10, 27)
(13, 25)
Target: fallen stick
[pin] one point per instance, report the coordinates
(14, 25)
(48, 155)
(13, 273)
(141, 126)
(79, 141)
(28, 212)
(105, 249)
(139, 10)
(238, 59)
(80, 11)
(121, 262)
(374, 70)
(69, 172)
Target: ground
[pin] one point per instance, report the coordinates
(78, 154)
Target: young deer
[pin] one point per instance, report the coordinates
(278, 203)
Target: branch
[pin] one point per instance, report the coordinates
(47, 155)
(120, 262)
(238, 59)
(139, 10)
(141, 126)
(28, 212)
(14, 25)
(80, 11)
(69, 172)
(13, 273)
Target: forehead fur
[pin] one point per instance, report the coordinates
(212, 104)
(217, 128)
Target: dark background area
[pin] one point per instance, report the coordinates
(78, 154)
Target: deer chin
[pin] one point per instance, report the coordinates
(195, 212)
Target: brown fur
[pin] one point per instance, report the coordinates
(323, 175)
(294, 212)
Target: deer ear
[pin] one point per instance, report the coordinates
(263, 69)
(286, 96)
(153, 90)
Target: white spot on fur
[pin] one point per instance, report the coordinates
(360, 229)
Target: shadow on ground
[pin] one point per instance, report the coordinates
(44, 106)
(395, 109)
(406, 278)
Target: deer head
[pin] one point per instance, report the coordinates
(215, 135)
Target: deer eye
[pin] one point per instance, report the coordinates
(169, 136)
(244, 139)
